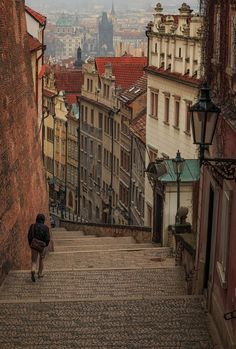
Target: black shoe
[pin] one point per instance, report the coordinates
(33, 276)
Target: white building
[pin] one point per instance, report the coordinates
(174, 61)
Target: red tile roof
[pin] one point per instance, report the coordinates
(138, 127)
(126, 69)
(174, 76)
(71, 98)
(34, 44)
(69, 81)
(135, 90)
(42, 71)
(37, 16)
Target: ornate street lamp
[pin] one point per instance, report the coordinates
(204, 118)
(178, 165)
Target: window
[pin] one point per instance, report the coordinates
(100, 117)
(50, 134)
(88, 84)
(85, 144)
(224, 238)
(82, 113)
(188, 118)
(180, 52)
(92, 117)
(86, 115)
(91, 147)
(154, 104)
(167, 109)
(156, 48)
(91, 85)
(177, 108)
(99, 152)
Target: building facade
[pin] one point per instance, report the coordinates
(36, 24)
(133, 102)
(104, 79)
(216, 261)
(174, 61)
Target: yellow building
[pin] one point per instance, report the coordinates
(104, 79)
(174, 62)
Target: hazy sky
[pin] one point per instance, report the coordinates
(50, 5)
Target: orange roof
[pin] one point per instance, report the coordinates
(42, 71)
(71, 98)
(34, 44)
(69, 80)
(135, 90)
(37, 16)
(174, 76)
(126, 69)
(138, 126)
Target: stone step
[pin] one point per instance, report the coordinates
(68, 246)
(143, 258)
(89, 284)
(91, 239)
(165, 323)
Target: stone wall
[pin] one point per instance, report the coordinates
(23, 188)
(140, 234)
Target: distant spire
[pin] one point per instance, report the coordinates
(113, 13)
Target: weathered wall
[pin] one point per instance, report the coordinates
(22, 184)
(140, 234)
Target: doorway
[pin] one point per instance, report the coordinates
(158, 218)
(209, 237)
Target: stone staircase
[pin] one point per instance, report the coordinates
(102, 292)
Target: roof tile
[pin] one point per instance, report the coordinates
(37, 16)
(69, 80)
(126, 69)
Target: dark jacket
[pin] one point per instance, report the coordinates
(39, 231)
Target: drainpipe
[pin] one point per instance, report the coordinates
(130, 181)
(78, 176)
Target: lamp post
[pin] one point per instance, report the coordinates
(204, 118)
(178, 165)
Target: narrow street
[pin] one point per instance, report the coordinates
(102, 293)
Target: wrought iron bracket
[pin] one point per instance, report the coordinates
(221, 168)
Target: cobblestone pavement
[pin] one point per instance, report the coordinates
(118, 295)
(95, 284)
(178, 323)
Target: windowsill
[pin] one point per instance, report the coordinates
(176, 127)
(187, 133)
(153, 116)
(99, 161)
(221, 275)
(166, 123)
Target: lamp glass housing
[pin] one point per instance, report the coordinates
(204, 126)
(204, 117)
